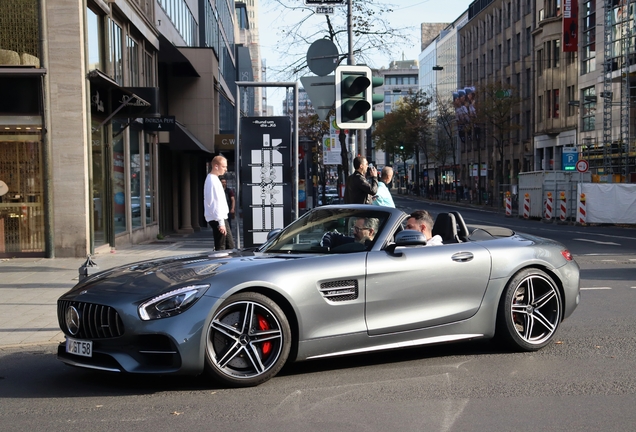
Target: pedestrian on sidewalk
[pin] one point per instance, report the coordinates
(215, 205)
(357, 189)
(231, 200)
(383, 197)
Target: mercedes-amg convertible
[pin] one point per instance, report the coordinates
(317, 289)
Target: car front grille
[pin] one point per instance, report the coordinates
(338, 291)
(95, 321)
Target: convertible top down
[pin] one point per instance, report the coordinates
(240, 315)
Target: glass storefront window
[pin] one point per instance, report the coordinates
(21, 208)
(98, 176)
(119, 179)
(148, 183)
(136, 202)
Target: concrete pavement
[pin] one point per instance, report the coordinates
(30, 287)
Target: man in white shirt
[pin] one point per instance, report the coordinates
(422, 221)
(215, 205)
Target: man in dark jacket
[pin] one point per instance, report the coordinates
(358, 190)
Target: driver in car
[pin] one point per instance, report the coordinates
(364, 230)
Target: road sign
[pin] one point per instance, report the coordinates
(321, 92)
(323, 2)
(582, 166)
(322, 57)
(569, 158)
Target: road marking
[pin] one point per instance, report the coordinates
(597, 288)
(632, 259)
(598, 242)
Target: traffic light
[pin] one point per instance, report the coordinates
(354, 95)
(377, 98)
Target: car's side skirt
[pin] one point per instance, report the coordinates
(405, 344)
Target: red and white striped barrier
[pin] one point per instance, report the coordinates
(548, 207)
(508, 204)
(526, 206)
(563, 207)
(580, 213)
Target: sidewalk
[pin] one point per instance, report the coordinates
(30, 287)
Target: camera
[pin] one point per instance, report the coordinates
(369, 170)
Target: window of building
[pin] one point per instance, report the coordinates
(527, 125)
(95, 24)
(588, 37)
(540, 64)
(555, 103)
(508, 51)
(571, 96)
(588, 109)
(539, 109)
(548, 54)
(133, 62)
(115, 51)
(517, 46)
(528, 40)
(556, 51)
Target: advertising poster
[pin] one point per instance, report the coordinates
(266, 178)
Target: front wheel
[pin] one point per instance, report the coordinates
(530, 311)
(248, 340)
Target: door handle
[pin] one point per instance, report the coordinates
(462, 256)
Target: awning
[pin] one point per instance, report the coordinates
(181, 139)
(170, 54)
(125, 102)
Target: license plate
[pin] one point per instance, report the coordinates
(79, 347)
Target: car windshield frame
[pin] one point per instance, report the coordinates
(305, 234)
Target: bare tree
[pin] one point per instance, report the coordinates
(497, 107)
(372, 33)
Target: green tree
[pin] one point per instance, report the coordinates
(406, 130)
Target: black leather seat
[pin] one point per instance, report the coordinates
(446, 227)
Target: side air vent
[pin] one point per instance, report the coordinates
(339, 291)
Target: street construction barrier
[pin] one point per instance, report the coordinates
(563, 207)
(508, 204)
(580, 213)
(548, 207)
(526, 206)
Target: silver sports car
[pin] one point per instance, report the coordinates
(340, 280)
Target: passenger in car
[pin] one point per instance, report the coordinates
(422, 221)
(364, 230)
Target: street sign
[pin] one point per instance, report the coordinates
(161, 124)
(322, 57)
(582, 166)
(569, 157)
(323, 2)
(321, 92)
(327, 10)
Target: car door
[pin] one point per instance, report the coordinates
(424, 286)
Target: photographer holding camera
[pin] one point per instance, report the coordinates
(357, 189)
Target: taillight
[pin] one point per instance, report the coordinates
(566, 254)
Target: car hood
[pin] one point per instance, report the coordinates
(149, 278)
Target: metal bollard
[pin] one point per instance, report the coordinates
(88, 268)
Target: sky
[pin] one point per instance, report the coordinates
(407, 14)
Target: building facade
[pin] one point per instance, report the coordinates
(120, 103)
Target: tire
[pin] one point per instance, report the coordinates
(530, 311)
(248, 340)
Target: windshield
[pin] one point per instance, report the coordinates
(330, 231)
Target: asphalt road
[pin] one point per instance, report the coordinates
(586, 381)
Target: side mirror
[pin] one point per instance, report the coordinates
(406, 238)
(273, 233)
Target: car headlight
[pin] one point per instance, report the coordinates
(171, 303)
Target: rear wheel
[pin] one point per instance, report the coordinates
(530, 311)
(248, 340)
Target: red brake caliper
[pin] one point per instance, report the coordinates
(264, 325)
